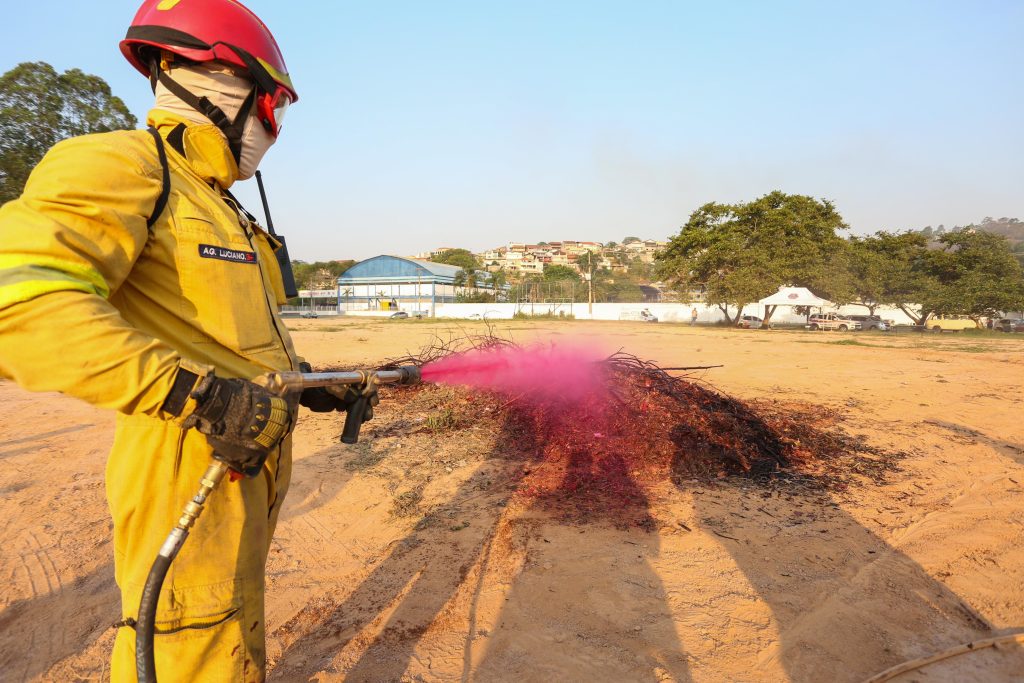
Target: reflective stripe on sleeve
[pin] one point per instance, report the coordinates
(24, 277)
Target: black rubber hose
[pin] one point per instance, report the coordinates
(145, 626)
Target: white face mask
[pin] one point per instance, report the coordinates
(228, 91)
(255, 143)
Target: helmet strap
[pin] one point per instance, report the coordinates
(154, 70)
(232, 129)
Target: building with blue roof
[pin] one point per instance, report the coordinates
(398, 283)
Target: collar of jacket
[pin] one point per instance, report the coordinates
(206, 148)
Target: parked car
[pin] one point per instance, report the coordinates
(832, 321)
(750, 322)
(950, 323)
(309, 314)
(870, 322)
(1009, 325)
(398, 315)
(644, 315)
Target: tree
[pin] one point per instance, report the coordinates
(462, 258)
(868, 267)
(39, 107)
(560, 272)
(744, 252)
(498, 282)
(320, 274)
(636, 267)
(587, 262)
(974, 274)
(467, 277)
(606, 286)
(618, 290)
(630, 240)
(891, 269)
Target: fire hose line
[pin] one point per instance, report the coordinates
(280, 383)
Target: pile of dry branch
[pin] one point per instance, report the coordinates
(646, 427)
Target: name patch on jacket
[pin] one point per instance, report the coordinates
(224, 254)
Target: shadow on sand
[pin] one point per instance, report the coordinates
(40, 627)
(439, 571)
(844, 603)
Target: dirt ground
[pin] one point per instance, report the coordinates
(412, 556)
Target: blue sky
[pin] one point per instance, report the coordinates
(475, 123)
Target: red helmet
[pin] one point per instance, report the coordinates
(209, 30)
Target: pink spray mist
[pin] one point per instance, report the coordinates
(567, 373)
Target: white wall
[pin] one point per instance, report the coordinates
(665, 312)
(673, 313)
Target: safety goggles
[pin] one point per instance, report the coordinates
(272, 98)
(271, 107)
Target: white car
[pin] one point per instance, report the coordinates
(832, 321)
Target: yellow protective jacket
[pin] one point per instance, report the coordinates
(96, 305)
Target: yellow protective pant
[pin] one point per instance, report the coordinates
(210, 623)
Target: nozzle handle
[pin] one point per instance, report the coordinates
(354, 420)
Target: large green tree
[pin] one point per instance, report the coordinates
(559, 272)
(744, 252)
(973, 273)
(892, 269)
(462, 258)
(39, 107)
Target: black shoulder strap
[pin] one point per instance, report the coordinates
(165, 191)
(233, 202)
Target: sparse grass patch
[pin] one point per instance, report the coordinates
(978, 349)
(848, 342)
(561, 315)
(364, 459)
(444, 420)
(406, 504)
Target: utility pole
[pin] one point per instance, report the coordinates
(590, 285)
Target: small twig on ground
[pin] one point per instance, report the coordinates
(508, 403)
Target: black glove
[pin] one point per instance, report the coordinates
(348, 396)
(324, 400)
(242, 421)
(318, 399)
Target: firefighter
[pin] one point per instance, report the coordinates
(130, 278)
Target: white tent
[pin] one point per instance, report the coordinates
(793, 296)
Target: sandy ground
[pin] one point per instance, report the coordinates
(410, 556)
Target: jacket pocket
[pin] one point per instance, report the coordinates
(223, 293)
(210, 646)
(200, 623)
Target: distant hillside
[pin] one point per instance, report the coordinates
(1010, 228)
